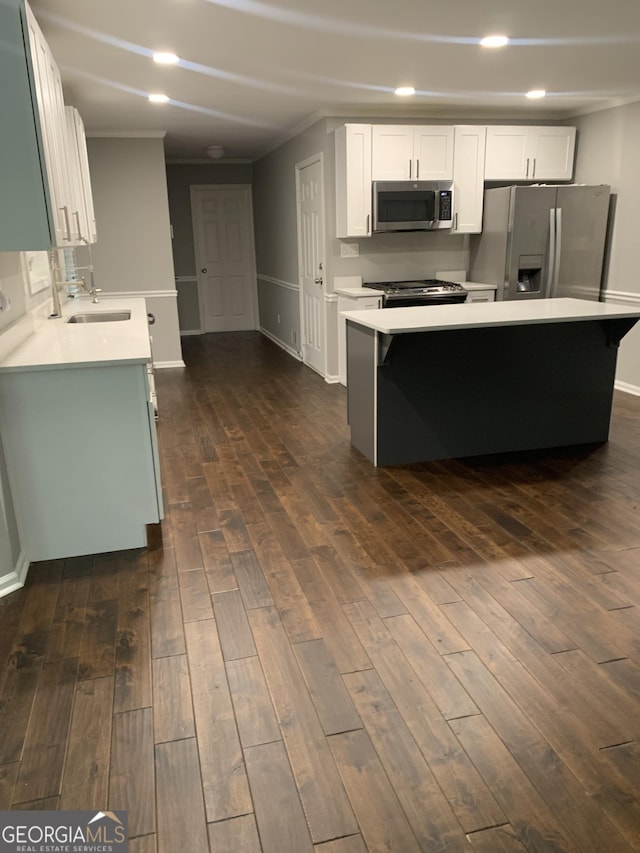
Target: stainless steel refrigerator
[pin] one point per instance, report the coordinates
(542, 241)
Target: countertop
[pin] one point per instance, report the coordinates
(477, 285)
(465, 315)
(56, 344)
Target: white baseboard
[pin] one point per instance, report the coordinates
(185, 332)
(294, 353)
(15, 579)
(627, 388)
(332, 379)
(159, 365)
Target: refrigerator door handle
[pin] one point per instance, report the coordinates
(558, 251)
(552, 252)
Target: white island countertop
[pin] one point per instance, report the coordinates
(394, 321)
(57, 344)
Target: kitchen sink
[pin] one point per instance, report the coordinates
(100, 317)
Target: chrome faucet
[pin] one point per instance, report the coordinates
(91, 289)
(57, 283)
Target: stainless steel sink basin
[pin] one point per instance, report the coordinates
(100, 317)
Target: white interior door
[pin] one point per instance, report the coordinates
(225, 259)
(311, 257)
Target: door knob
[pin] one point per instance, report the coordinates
(318, 280)
(204, 269)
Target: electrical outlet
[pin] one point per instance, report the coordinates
(349, 250)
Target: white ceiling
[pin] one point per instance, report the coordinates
(252, 71)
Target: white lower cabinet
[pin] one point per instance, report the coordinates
(82, 458)
(350, 303)
(488, 295)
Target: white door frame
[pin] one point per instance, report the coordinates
(309, 161)
(252, 260)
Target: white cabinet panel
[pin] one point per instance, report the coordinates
(488, 295)
(529, 153)
(392, 153)
(433, 152)
(353, 180)
(53, 125)
(409, 152)
(82, 212)
(553, 155)
(468, 179)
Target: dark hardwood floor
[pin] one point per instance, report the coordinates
(313, 654)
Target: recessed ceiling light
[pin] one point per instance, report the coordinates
(405, 90)
(165, 58)
(158, 99)
(494, 41)
(536, 93)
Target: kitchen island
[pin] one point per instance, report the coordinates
(448, 381)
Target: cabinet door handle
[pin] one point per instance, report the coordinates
(368, 221)
(527, 173)
(417, 170)
(67, 223)
(77, 216)
(533, 174)
(409, 169)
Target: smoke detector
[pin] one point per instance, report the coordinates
(215, 151)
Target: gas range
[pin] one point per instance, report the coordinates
(430, 291)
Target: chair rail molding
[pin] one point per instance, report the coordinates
(271, 280)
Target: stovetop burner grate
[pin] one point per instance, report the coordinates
(430, 285)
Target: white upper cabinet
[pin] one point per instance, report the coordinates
(407, 152)
(82, 214)
(50, 106)
(529, 153)
(37, 192)
(468, 179)
(353, 180)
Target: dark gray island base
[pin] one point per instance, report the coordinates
(482, 382)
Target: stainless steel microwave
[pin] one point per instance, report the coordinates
(412, 205)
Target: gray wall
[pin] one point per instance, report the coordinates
(275, 220)
(607, 152)
(133, 252)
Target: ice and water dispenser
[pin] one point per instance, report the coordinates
(529, 274)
